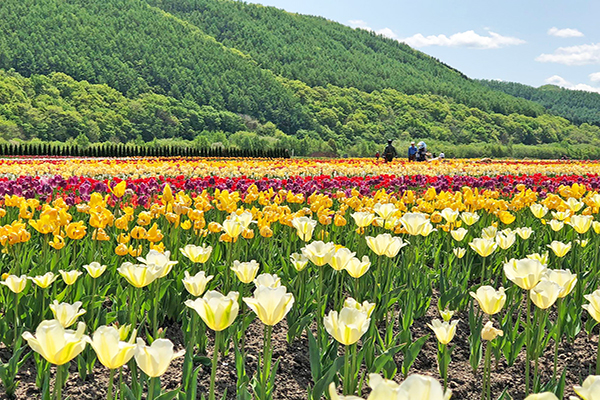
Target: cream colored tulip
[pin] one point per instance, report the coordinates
(245, 271)
(574, 204)
(459, 252)
(197, 254)
(524, 233)
(490, 300)
(483, 247)
(489, 233)
(363, 219)
(505, 241)
(556, 225)
(357, 268)
(560, 249)
(469, 218)
(335, 396)
(94, 269)
(244, 218)
(232, 227)
(15, 283)
(542, 396)
(563, 278)
(594, 307)
(299, 261)
(161, 260)
(112, 352)
(340, 258)
(269, 280)
(43, 281)
(413, 223)
(216, 310)
(139, 275)
(581, 223)
(271, 305)
(421, 387)
(590, 389)
(450, 215)
(196, 285)
(66, 313)
(55, 343)
(384, 389)
(525, 273)
(385, 244)
(543, 258)
(385, 211)
(582, 243)
(444, 331)
(70, 277)
(155, 359)
(365, 306)
(348, 326)
(545, 294)
(304, 227)
(427, 229)
(596, 226)
(446, 314)
(490, 333)
(459, 234)
(538, 210)
(319, 253)
(561, 215)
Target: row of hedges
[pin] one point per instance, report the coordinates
(121, 150)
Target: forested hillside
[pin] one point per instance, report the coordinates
(576, 105)
(320, 52)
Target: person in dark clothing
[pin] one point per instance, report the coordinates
(390, 152)
(412, 152)
(421, 152)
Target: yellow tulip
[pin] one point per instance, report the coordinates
(94, 269)
(139, 275)
(469, 218)
(269, 280)
(216, 310)
(112, 352)
(459, 252)
(196, 285)
(582, 243)
(167, 195)
(319, 253)
(264, 231)
(304, 227)
(560, 249)
(160, 259)
(155, 359)
(483, 247)
(341, 258)
(197, 254)
(446, 314)
(413, 223)
(298, 261)
(45, 280)
(563, 278)
(581, 223)
(70, 276)
(270, 304)
(538, 210)
(506, 217)
(590, 389)
(525, 273)
(55, 343)
(596, 226)
(542, 396)
(66, 313)
(245, 271)
(490, 333)
(357, 268)
(444, 331)
(594, 307)
(363, 219)
(490, 300)
(15, 283)
(459, 234)
(385, 244)
(545, 294)
(348, 326)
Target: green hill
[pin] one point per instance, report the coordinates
(575, 105)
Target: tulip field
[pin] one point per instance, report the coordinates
(175, 278)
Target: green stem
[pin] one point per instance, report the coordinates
(16, 302)
(483, 270)
(151, 386)
(346, 386)
(598, 358)
(488, 371)
(528, 343)
(155, 310)
(58, 383)
(92, 308)
(557, 338)
(267, 356)
(213, 372)
(133, 316)
(109, 391)
(445, 368)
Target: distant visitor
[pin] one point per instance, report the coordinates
(390, 152)
(412, 152)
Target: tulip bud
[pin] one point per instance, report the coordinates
(490, 301)
(245, 271)
(196, 285)
(70, 276)
(66, 313)
(560, 249)
(348, 326)
(459, 234)
(94, 269)
(444, 331)
(298, 261)
(197, 254)
(216, 310)
(490, 333)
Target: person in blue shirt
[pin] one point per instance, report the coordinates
(412, 152)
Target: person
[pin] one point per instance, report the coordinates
(412, 152)
(390, 152)
(421, 152)
(377, 156)
(442, 155)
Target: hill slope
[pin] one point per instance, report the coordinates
(575, 105)
(320, 52)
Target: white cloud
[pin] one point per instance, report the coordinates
(595, 77)
(562, 82)
(464, 39)
(387, 32)
(359, 23)
(574, 55)
(565, 33)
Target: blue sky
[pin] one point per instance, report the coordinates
(528, 41)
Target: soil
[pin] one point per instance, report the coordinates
(294, 376)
